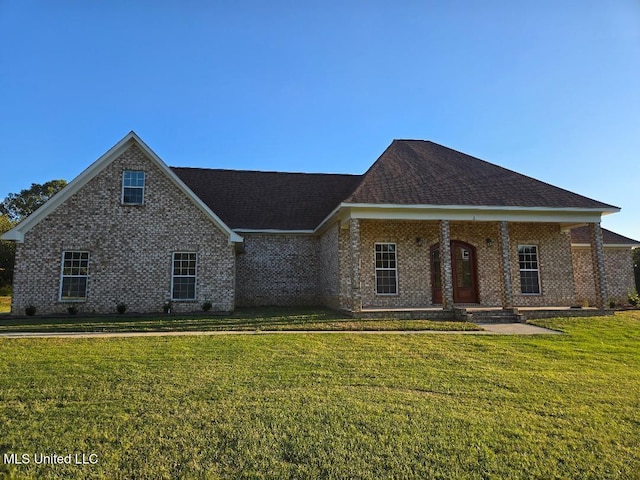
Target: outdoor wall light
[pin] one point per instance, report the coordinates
(489, 242)
(419, 241)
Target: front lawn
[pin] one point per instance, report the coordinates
(269, 319)
(5, 304)
(329, 406)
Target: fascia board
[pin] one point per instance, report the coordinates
(607, 245)
(233, 236)
(274, 231)
(463, 212)
(386, 206)
(471, 213)
(18, 232)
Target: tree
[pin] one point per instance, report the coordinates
(7, 253)
(18, 206)
(15, 208)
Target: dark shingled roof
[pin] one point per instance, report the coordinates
(418, 172)
(581, 235)
(409, 172)
(269, 200)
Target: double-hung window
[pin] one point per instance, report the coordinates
(386, 269)
(133, 187)
(75, 273)
(183, 279)
(529, 269)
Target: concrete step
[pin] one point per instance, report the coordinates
(494, 316)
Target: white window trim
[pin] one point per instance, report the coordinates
(144, 184)
(376, 269)
(530, 270)
(62, 276)
(195, 277)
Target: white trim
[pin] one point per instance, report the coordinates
(144, 181)
(475, 207)
(376, 269)
(471, 214)
(18, 232)
(608, 245)
(195, 277)
(537, 270)
(274, 230)
(571, 216)
(62, 276)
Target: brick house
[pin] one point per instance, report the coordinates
(424, 227)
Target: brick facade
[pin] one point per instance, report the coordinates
(130, 247)
(413, 240)
(555, 264)
(618, 266)
(281, 269)
(330, 267)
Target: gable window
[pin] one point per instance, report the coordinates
(529, 269)
(133, 187)
(183, 279)
(74, 276)
(386, 269)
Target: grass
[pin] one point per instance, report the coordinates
(271, 319)
(5, 304)
(330, 406)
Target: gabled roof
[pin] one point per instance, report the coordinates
(250, 200)
(426, 178)
(94, 169)
(418, 172)
(581, 236)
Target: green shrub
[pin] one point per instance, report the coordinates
(633, 298)
(30, 310)
(167, 306)
(121, 308)
(72, 309)
(206, 306)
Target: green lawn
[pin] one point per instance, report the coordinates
(5, 304)
(329, 406)
(243, 319)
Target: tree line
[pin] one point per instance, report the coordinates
(14, 209)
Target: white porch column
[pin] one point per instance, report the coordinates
(597, 257)
(445, 266)
(507, 284)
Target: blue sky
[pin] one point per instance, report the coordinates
(549, 89)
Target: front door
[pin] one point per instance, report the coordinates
(463, 266)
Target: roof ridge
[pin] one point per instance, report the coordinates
(266, 171)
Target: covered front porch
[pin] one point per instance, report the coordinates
(461, 267)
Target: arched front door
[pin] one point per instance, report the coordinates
(464, 277)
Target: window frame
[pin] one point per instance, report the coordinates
(385, 269)
(537, 270)
(133, 187)
(194, 276)
(64, 276)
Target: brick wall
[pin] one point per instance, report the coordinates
(344, 266)
(329, 281)
(130, 247)
(414, 269)
(555, 264)
(279, 269)
(618, 265)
